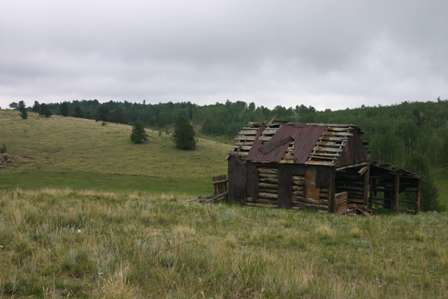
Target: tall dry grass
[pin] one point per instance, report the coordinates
(65, 243)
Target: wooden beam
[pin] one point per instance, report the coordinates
(418, 196)
(396, 194)
(363, 170)
(366, 185)
(352, 166)
(331, 192)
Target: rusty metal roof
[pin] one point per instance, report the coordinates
(300, 143)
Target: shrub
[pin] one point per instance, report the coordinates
(3, 149)
(138, 135)
(184, 134)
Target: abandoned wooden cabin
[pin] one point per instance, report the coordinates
(322, 166)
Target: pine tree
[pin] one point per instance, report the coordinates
(44, 110)
(138, 135)
(184, 134)
(13, 105)
(36, 107)
(22, 109)
(63, 109)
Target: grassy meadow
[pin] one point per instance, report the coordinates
(83, 154)
(85, 244)
(86, 214)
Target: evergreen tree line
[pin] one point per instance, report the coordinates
(395, 133)
(41, 109)
(413, 135)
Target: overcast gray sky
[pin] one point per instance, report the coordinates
(329, 54)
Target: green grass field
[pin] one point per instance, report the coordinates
(83, 154)
(86, 214)
(85, 244)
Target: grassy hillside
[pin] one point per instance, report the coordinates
(118, 245)
(80, 153)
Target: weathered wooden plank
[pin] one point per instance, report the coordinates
(267, 170)
(245, 137)
(268, 179)
(243, 147)
(242, 153)
(338, 134)
(268, 195)
(265, 138)
(322, 157)
(325, 154)
(329, 144)
(270, 131)
(249, 128)
(251, 132)
(327, 149)
(298, 180)
(268, 176)
(339, 129)
(325, 163)
(250, 143)
(267, 185)
(333, 138)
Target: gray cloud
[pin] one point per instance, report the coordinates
(332, 54)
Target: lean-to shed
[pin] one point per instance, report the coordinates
(299, 165)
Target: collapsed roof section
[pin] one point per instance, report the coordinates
(301, 143)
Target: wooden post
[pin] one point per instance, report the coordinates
(366, 187)
(331, 192)
(418, 196)
(396, 194)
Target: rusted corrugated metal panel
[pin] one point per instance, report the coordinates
(304, 136)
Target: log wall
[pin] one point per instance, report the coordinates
(354, 184)
(289, 186)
